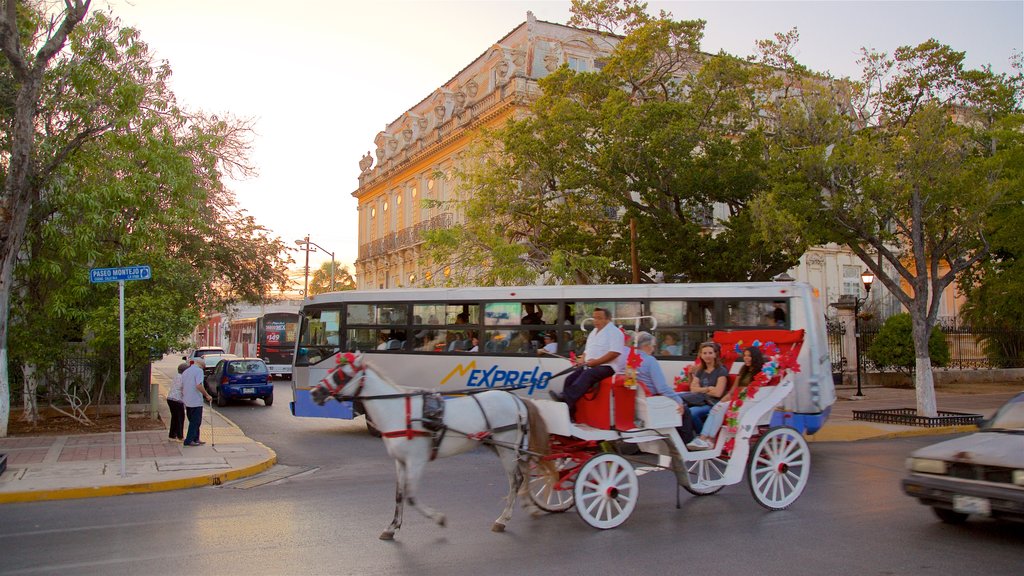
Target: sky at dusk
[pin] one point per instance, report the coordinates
(321, 78)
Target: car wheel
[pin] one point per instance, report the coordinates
(222, 400)
(268, 400)
(949, 516)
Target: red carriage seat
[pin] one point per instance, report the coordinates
(788, 341)
(610, 406)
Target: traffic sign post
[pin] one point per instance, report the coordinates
(121, 275)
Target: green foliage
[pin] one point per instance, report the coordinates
(320, 279)
(905, 166)
(131, 178)
(659, 134)
(893, 346)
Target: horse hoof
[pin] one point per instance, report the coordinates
(498, 527)
(442, 521)
(387, 536)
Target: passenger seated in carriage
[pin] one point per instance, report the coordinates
(604, 356)
(753, 360)
(650, 375)
(708, 382)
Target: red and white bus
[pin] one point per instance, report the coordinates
(276, 333)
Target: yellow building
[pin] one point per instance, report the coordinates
(416, 153)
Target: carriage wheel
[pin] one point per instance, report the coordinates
(703, 473)
(606, 491)
(542, 489)
(779, 467)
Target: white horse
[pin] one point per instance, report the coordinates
(509, 425)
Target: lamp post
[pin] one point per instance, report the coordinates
(309, 246)
(866, 277)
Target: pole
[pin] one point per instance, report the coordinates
(305, 287)
(332, 271)
(124, 472)
(633, 257)
(856, 342)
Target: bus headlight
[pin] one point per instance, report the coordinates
(926, 465)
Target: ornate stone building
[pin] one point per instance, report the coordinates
(416, 153)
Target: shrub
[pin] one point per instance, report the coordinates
(893, 347)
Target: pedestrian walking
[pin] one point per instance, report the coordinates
(175, 401)
(194, 392)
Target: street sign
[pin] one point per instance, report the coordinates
(97, 275)
(121, 275)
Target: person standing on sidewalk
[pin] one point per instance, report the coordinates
(193, 393)
(175, 397)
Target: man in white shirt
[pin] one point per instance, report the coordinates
(193, 392)
(603, 357)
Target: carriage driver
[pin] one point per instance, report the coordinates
(603, 356)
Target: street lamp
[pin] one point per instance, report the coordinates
(309, 246)
(866, 277)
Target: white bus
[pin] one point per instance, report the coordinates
(465, 338)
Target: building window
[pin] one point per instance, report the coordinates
(851, 280)
(578, 64)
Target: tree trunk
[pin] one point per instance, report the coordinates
(924, 382)
(30, 384)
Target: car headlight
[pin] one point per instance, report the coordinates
(926, 465)
(1018, 477)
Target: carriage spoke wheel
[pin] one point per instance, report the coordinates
(606, 491)
(703, 473)
(543, 491)
(779, 467)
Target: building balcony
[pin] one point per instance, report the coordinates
(405, 238)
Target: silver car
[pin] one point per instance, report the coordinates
(981, 474)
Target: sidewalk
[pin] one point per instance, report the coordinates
(841, 427)
(89, 465)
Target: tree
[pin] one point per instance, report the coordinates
(27, 55)
(117, 174)
(320, 281)
(893, 346)
(660, 134)
(901, 166)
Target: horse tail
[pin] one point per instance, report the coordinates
(539, 443)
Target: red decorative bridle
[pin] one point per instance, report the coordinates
(349, 366)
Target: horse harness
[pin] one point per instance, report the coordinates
(431, 416)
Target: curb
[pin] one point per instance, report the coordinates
(854, 437)
(215, 479)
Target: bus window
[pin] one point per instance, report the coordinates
(756, 313)
(385, 314)
(668, 312)
(616, 309)
(502, 313)
(448, 314)
(540, 313)
(700, 313)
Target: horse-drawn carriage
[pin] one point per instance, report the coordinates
(562, 463)
(601, 482)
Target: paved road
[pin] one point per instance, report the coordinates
(851, 520)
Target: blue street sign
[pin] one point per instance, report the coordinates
(97, 275)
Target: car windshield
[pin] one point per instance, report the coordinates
(1010, 416)
(202, 353)
(247, 367)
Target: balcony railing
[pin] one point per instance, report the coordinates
(404, 238)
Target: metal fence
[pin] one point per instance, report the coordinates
(969, 347)
(91, 378)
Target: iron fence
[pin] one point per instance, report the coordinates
(970, 347)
